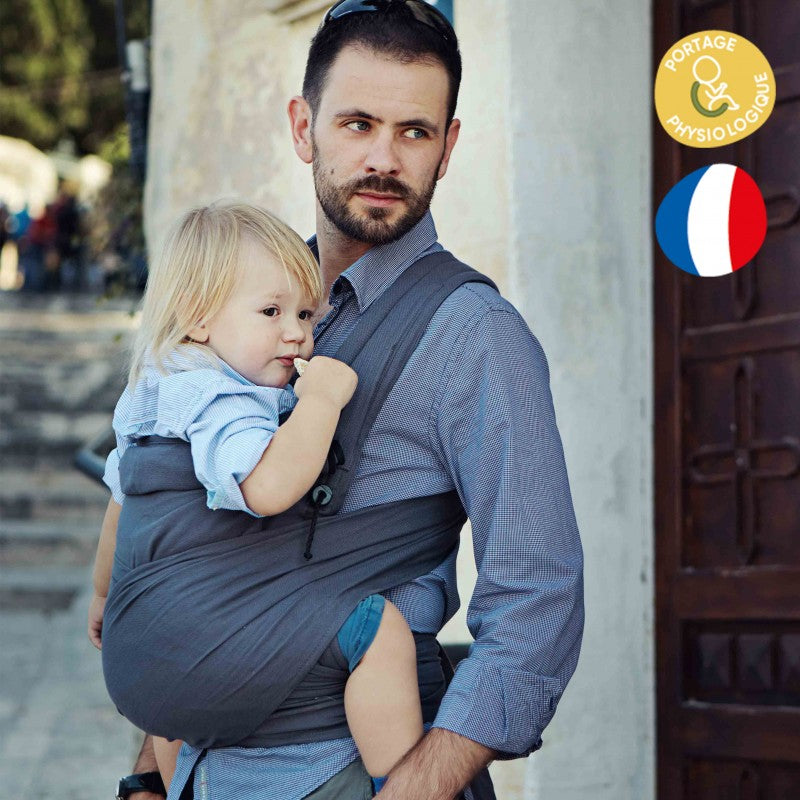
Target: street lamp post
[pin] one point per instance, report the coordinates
(133, 58)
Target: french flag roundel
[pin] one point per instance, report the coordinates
(712, 222)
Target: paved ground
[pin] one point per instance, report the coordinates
(60, 737)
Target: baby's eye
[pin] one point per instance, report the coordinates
(270, 312)
(304, 315)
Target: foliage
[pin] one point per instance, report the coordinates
(60, 78)
(59, 71)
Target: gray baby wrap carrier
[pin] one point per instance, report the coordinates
(219, 627)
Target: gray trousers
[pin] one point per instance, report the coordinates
(352, 783)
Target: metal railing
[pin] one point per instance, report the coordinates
(91, 458)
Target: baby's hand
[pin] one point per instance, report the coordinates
(328, 378)
(96, 607)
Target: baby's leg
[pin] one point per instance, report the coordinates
(166, 755)
(381, 698)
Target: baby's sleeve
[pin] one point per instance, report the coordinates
(111, 475)
(229, 433)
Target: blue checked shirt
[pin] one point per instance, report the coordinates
(472, 411)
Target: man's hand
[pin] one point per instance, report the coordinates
(438, 768)
(96, 607)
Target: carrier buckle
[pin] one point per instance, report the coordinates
(322, 495)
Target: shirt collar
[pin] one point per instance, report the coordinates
(188, 357)
(383, 264)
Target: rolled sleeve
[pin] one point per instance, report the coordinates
(497, 433)
(228, 435)
(502, 708)
(111, 476)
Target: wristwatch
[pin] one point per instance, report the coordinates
(140, 782)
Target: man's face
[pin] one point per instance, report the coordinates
(379, 144)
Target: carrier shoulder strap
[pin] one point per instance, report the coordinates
(378, 349)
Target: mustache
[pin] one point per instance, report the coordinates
(382, 185)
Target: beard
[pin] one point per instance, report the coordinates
(373, 228)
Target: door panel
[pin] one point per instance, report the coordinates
(727, 441)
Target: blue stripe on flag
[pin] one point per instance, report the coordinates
(672, 222)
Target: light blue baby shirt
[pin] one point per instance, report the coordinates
(227, 420)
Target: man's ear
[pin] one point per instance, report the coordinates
(449, 143)
(300, 122)
(199, 333)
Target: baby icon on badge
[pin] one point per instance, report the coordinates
(714, 93)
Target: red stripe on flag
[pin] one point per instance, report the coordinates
(747, 219)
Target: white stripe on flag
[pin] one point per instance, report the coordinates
(708, 221)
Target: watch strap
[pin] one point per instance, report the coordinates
(141, 782)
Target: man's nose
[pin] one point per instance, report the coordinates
(382, 156)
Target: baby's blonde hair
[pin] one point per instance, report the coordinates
(197, 270)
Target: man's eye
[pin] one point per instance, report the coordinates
(415, 133)
(358, 125)
(270, 312)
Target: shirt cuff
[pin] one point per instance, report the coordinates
(224, 491)
(111, 476)
(501, 708)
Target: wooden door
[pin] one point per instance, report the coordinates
(727, 441)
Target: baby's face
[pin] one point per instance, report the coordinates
(266, 323)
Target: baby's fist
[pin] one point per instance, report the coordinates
(329, 378)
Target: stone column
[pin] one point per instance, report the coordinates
(580, 105)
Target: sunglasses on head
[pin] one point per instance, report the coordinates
(422, 12)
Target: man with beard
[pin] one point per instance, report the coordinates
(472, 411)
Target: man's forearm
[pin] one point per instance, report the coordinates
(104, 558)
(438, 768)
(146, 762)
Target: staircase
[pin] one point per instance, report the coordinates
(61, 371)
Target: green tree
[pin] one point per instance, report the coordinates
(59, 73)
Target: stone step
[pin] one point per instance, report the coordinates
(77, 397)
(57, 384)
(65, 304)
(30, 543)
(83, 340)
(34, 439)
(31, 343)
(44, 589)
(45, 494)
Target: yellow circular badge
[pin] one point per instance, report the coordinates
(713, 88)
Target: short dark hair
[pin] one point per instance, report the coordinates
(391, 32)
